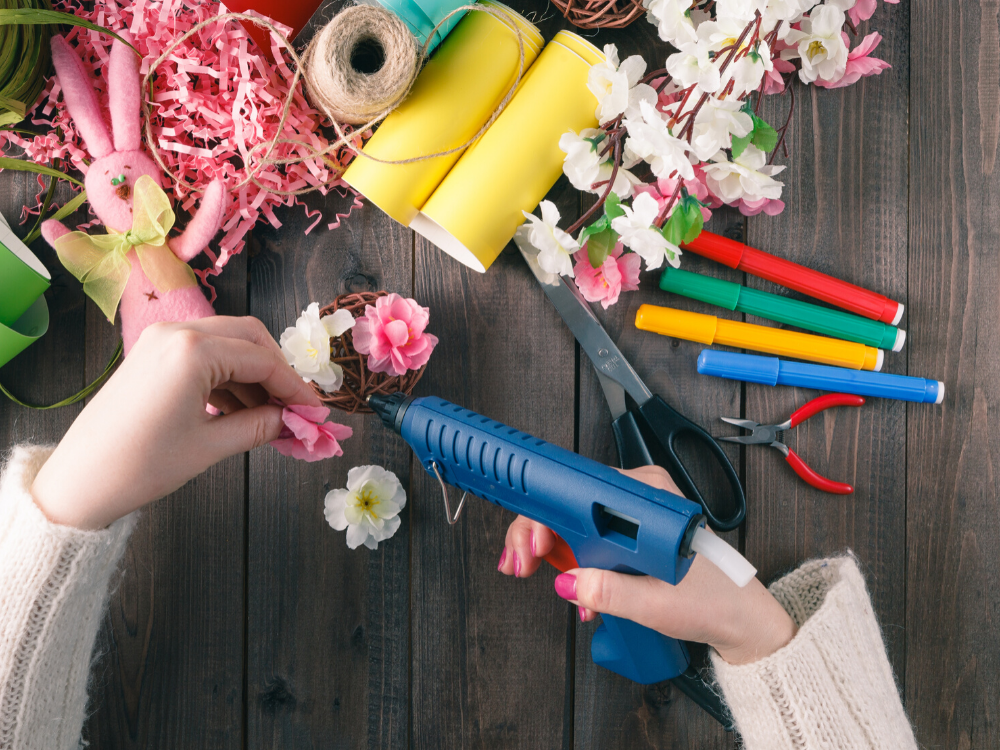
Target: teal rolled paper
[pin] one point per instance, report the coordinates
(732, 296)
(421, 16)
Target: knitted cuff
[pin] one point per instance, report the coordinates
(53, 590)
(832, 685)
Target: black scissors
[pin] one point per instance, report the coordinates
(647, 428)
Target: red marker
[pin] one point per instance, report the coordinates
(793, 276)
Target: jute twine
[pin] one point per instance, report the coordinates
(333, 80)
(359, 381)
(343, 139)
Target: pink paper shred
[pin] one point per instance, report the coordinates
(213, 100)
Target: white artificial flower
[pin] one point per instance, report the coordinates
(617, 87)
(844, 5)
(716, 123)
(694, 65)
(555, 247)
(740, 10)
(637, 233)
(307, 346)
(624, 184)
(747, 72)
(747, 176)
(368, 508)
(650, 139)
(820, 45)
(787, 11)
(584, 165)
(673, 21)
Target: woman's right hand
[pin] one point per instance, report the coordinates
(742, 624)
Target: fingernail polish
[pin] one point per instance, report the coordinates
(583, 614)
(503, 557)
(517, 566)
(533, 553)
(566, 585)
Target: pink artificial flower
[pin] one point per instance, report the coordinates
(305, 435)
(774, 82)
(863, 10)
(771, 207)
(619, 273)
(392, 335)
(858, 63)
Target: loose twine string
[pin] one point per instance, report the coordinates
(344, 139)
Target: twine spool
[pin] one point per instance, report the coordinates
(359, 381)
(361, 64)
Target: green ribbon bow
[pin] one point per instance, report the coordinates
(100, 261)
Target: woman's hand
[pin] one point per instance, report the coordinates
(147, 432)
(742, 624)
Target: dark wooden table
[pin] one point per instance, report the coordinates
(241, 620)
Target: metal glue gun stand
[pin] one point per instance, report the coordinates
(646, 429)
(647, 423)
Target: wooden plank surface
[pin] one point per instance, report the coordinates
(952, 530)
(242, 620)
(846, 190)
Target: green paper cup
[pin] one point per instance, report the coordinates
(27, 329)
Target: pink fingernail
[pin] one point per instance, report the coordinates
(566, 585)
(583, 614)
(503, 557)
(533, 553)
(517, 565)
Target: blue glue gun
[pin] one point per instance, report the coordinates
(609, 520)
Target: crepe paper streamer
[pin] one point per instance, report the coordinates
(23, 280)
(216, 88)
(423, 16)
(24, 53)
(708, 329)
(452, 98)
(76, 397)
(475, 211)
(294, 14)
(361, 64)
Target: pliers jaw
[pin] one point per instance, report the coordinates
(760, 434)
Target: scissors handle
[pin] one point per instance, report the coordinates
(665, 424)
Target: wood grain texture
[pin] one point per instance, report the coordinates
(170, 667)
(327, 626)
(952, 530)
(490, 652)
(846, 190)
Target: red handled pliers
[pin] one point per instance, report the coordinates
(773, 433)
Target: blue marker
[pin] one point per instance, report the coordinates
(774, 371)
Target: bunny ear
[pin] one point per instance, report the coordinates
(81, 99)
(123, 86)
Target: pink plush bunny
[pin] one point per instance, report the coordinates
(111, 178)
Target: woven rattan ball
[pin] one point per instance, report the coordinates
(359, 381)
(600, 14)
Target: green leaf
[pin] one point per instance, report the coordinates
(613, 207)
(600, 245)
(740, 144)
(598, 226)
(20, 165)
(34, 17)
(69, 208)
(676, 227)
(764, 136)
(695, 221)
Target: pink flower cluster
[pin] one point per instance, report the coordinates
(619, 273)
(307, 435)
(391, 333)
(215, 101)
(859, 64)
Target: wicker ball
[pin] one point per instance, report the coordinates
(600, 14)
(359, 381)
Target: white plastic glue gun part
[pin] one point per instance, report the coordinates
(899, 314)
(724, 557)
(940, 396)
(900, 340)
(879, 360)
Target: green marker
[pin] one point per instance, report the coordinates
(841, 325)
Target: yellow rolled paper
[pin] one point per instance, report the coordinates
(452, 98)
(477, 208)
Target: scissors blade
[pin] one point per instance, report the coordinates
(609, 362)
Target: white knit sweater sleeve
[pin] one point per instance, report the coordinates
(53, 592)
(832, 685)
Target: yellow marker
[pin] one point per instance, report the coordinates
(708, 329)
